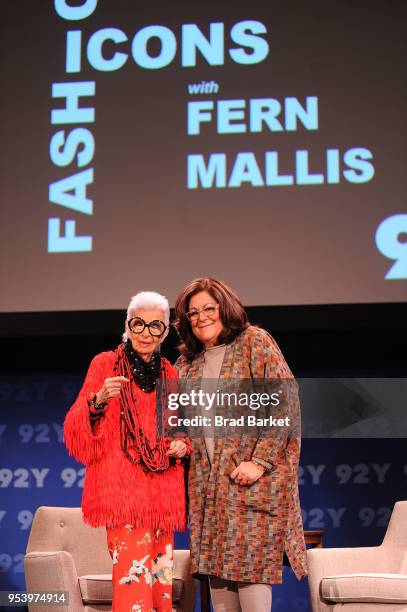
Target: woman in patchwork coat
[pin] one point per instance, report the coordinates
(244, 507)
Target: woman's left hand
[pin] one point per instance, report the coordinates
(247, 473)
(177, 449)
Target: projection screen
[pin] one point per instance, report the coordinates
(145, 145)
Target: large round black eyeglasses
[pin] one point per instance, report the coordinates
(137, 326)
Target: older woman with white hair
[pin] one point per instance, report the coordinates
(134, 483)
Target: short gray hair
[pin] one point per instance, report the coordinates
(147, 300)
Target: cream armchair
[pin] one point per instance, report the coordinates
(370, 579)
(65, 554)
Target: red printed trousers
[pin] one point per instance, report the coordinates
(142, 569)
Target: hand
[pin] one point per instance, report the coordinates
(110, 389)
(247, 473)
(177, 449)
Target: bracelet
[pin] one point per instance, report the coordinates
(261, 463)
(95, 410)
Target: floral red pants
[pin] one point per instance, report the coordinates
(142, 569)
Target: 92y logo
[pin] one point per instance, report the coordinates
(391, 240)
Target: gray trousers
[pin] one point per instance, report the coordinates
(230, 596)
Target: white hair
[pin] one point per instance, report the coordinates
(147, 300)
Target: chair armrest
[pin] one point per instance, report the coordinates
(182, 570)
(324, 562)
(52, 571)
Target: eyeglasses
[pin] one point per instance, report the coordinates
(137, 325)
(209, 310)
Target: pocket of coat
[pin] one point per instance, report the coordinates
(258, 497)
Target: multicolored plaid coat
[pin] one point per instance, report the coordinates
(242, 532)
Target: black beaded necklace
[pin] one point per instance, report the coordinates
(145, 373)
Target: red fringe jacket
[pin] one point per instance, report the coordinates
(116, 491)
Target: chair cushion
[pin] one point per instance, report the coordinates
(375, 588)
(97, 588)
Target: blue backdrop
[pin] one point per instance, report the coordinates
(348, 487)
